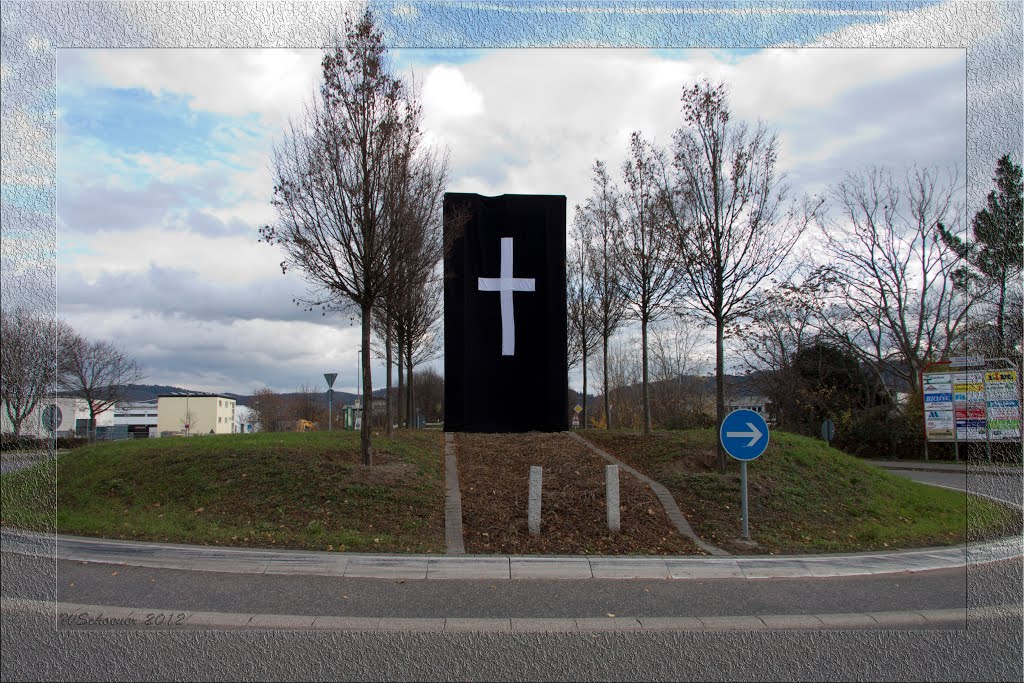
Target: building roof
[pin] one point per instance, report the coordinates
(194, 394)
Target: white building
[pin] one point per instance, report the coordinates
(245, 420)
(66, 415)
(140, 418)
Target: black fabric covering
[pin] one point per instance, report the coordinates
(485, 391)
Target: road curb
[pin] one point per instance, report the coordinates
(501, 567)
(75, 616)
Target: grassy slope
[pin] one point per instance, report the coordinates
(302, 490)
(804, 496)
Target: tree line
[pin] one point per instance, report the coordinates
(273, 411)
(41, 356)
(705, 231)
(358, 198)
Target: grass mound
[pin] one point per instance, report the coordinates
(296, 490)
(803, 496)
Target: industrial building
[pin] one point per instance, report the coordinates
(195, 413)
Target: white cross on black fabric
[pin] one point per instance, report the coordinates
(505, 357)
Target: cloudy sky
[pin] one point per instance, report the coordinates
(163, 177)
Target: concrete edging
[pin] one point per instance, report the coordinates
(453, 538)
(69, 616)
(499, 567)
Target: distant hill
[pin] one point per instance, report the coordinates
(148, 392)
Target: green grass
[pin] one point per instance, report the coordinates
(804, 496)
(295, 490)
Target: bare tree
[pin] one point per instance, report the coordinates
(584, 333)
(645, 251)
(890, 277)
(99, 373)
(414, 301)
(429, 395)
(603, 215)
(731, 231)
(677, 394)
(308, 404)
(27, 363)
(784, 323)
(336, 170)
(268, 409)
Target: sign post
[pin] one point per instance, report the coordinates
(744, 436)
(330, 377)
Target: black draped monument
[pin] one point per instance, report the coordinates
(505, 363)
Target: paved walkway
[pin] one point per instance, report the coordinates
(498, 567)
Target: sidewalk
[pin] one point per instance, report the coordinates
(499, 567)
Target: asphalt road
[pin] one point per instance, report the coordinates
(33, 649)
(1006, 486)
(118, 585)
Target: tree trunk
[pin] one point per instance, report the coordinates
(607, 410)
(387, 374)
(720, 387)
(644, 377)
(365, 436)
(411, 388)
(1000, 316)
(583, 424)
(402, 414)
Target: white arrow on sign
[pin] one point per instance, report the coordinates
(754, 434)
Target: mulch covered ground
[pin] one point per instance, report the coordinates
(494, 478)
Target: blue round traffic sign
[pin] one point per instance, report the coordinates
(744, 434)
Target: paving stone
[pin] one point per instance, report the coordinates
(783, 621)
(769, 569)
(482, 625)
(624, 568)
(851, 620)
(550, 568)
(393, 624)
(897, 619)
(218, 620)
(704, 569)
(230, 566)
(387, 568)
(609, 624)
(347, 623)
(468, 568)
(318, 568)
(732, 623)
(281, 621)
(671, 623)
(551, 625)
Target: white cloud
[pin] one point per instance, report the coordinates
(271, 82)
(948, 23)
(234, 260)
(447, 95)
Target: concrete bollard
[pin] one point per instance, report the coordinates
(611, 495)
(533, 512)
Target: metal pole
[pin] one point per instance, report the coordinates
(330, 410)
(743, 484)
